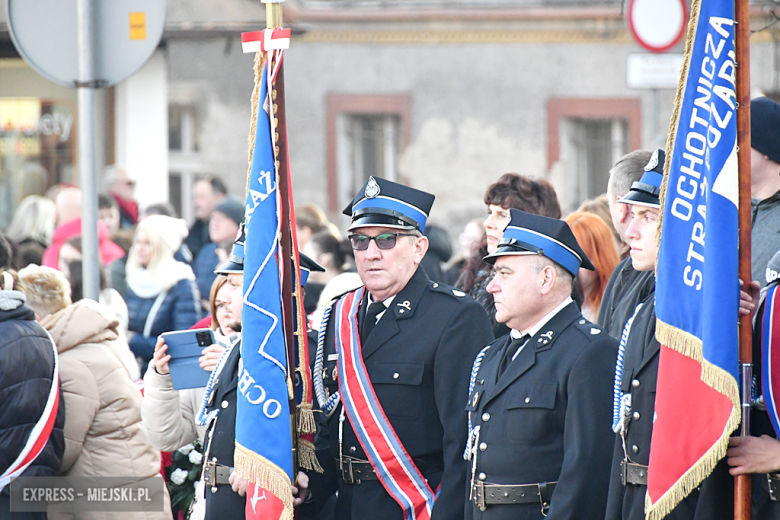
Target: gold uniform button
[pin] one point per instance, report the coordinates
(225, 404)
(486, 417)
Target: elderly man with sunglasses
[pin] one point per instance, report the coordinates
(392, 371)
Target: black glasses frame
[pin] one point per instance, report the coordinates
(388, 240)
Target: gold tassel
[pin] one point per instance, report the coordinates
(261, 471)
(306, 423)
(307, 457)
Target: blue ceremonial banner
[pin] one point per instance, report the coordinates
(697, 288)
(263, 453)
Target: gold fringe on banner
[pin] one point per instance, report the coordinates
(261, 471)
(307, 457)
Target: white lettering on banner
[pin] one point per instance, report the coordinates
(271, 407)
(710, 115)
(268, 185)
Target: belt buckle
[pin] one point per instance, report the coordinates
(210, 474)
(478, 495)
(347, 473)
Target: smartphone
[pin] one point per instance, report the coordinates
(185, 347)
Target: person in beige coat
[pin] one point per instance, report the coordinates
(104, 436)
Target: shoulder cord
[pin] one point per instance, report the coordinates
(473, 431)
(327, 404)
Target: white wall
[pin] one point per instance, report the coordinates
(141, 106)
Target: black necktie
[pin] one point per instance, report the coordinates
(374, 309)
(509, 353)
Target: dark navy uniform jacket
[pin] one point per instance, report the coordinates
(220, 440)
(418, 358)
(713, 500)
(547, 419)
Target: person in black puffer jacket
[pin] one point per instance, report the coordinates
(26, 373)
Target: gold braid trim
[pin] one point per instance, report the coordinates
(691, 346)
(307, 458)
(675, 119)
(261, 471)
(259, 64)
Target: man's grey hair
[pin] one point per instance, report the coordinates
(562, 275)
(627, 171)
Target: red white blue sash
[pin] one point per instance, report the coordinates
(770, 355)
(40, 433)
(394, 467)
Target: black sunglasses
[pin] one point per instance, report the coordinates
(383, 241)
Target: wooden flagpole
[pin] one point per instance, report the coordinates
(273, 15)
(742, 491)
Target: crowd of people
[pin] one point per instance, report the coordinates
(515, 370)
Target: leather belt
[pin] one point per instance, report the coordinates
(484, 495)
(773, 479)
(631, 473)
(216, 474)
(354, 471)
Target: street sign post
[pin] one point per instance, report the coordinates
(86, 44)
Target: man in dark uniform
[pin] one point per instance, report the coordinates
(413, 343)
(626, 287)
(636, 375)
(540, 441)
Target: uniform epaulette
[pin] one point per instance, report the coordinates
(446, 289)
(589, 328)
(343, 294)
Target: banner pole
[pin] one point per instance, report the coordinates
(273, 12)
(742, 483)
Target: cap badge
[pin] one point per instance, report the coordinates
(653, 162)
(372, 188)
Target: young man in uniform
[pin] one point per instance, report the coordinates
(626, 287)
(539, 409)
(392, 371)
(637, 374)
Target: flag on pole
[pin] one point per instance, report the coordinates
(697, 402)
(264, 436)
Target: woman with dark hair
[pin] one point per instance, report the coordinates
(511, 190)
